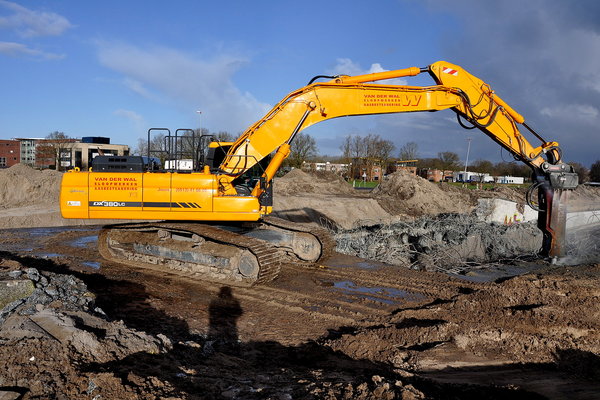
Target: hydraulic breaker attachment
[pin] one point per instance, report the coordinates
(553, 195)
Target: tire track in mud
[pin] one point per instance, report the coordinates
(421, 284)
(368, 293)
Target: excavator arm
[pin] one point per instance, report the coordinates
(475, 103)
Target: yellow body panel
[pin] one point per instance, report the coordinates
(152, 195)
(74, 196)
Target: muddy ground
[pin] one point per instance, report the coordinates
(348, 328)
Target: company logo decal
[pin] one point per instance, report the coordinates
(108, 204)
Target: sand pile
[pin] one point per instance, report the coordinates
(21, 185)
(298, 183)
(405, 193)
(584, 198)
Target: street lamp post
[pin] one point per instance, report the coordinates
(468, 149)
(196, 145)
(199, 124)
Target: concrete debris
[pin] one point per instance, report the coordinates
(9, 395)
(44, 289)
(12, 292)
(439, 243)
(504, 212)
(53, 328)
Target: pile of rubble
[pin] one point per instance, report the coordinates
(441, 243)
(50, 327)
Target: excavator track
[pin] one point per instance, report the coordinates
(197, 254)
(232, 255)
(325, 239)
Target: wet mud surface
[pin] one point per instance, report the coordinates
(349, 328)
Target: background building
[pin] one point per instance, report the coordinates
(10, 153)
(67, 153)
(82, 153)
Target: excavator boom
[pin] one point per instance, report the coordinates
(473, 100)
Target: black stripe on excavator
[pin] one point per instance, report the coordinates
(155, 204)
(159, 204)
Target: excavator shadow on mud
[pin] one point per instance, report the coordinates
(211, 199)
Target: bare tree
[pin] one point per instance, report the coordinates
(449, 160)
(303, 148)
(366, 152)
(582, 172)
(224, 136)
(157, 148)
(379, 151)
(482, 167)
(346, 147)
(56, 146)
(512, 169)
(409, 151)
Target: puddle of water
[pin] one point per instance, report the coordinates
(493, 273)
(92, 264)
(372, 293)
(84, 241)
(345, 261)
(49, 255)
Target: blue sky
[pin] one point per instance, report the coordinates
(117, 68)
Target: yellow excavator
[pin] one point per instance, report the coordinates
(212, 222)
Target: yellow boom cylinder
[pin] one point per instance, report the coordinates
(378, 76)
(280, 155)
(515, 115)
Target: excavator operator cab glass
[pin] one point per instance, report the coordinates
(245, 183)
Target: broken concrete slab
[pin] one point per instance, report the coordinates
(504, 212)
(13, 290)
(9, 395)
(62, 328)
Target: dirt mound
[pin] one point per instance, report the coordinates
(298, 183)
(405, 193)
(585, 198)
(497, 192)
(21, 185)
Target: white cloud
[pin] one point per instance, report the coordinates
(18, 50)
(583, 112)
(139, 88)
(186, 80)
(30, 23)
(128, 114)
(136, 119)
(346, 66)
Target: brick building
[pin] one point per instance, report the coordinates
(10, 153)
(44, 153)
